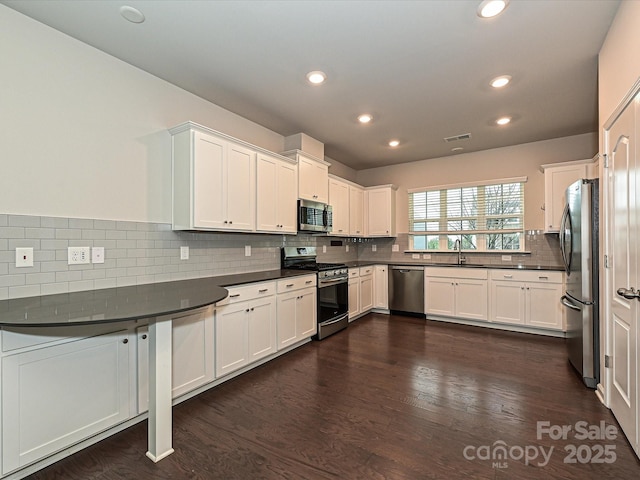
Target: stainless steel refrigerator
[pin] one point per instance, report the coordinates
(579, 247)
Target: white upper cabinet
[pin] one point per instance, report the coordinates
(313, 176)
(381, 211)
(276, 195)
(339, 201)
(356, 211)
(213, 181)
(557, 177)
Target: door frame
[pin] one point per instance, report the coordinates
(604, 388)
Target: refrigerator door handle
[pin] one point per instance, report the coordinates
(562, 238)
(569, 304)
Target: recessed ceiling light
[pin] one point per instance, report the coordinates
(500, 81)
(131, 14)
(365, 118)
(491, 8)
(316, 77)
(503, 120)
(394, 143)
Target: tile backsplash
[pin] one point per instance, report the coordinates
(139, 253)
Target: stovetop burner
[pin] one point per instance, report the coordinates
(304, 258)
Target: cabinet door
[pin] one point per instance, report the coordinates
(381, 287)
(366, 293)
(231, 337)
(267, 193)
(356, 211)
(507, 302)
(241, 188)
(313, 180)
(471, 299)
(379, 213)
(286, 314)
(354, 297)
(440, 296)
(209, 185)
(339, 200)
(56, 396)
(556, 181)
(306, 314)
(544, 309)
(192, 342)
(262, 328)
(287, 198)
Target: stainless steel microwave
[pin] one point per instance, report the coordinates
(314, 217)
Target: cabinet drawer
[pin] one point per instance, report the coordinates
(296, 283)
(354, 272)
(366, 271)
(542, 276)
(248, 292)
(457, 272)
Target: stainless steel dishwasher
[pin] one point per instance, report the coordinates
(406, 289)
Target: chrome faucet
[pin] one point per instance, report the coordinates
(458, 247)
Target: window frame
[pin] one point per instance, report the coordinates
(446, 237)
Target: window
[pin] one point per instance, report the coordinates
(484, 217)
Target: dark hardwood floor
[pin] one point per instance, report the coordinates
(391, 397)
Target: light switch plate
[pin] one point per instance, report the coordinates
(426, 256)
(506, 258)
(347, 249)
(24, 257)
(184, 253)
(395, 248)
(97, 255)
(247, 250)
(415, 255)
(374, 248)
(324, 249)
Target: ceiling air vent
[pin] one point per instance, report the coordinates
(455, 138)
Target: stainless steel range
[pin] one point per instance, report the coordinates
(333, 289)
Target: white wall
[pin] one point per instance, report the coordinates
(83, 134)
(507, 162)
(619, 63)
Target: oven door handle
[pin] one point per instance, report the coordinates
(335, 320)
(329, 282)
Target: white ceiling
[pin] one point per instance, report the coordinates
(420, 67)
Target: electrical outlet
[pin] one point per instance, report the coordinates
(374, 248)
(247, 250)
(506, 258)
(24, 257)
(324, 249)
(415, 256)
(78, 255)
(426, 256)
(347, 250)
(184, 253)
(395, 248)
(97, 255)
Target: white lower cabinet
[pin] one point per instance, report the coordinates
(381, 287)
(527, 298)
(192, 347)
(456, 292)
(58, 395)
(354, 292)
(297, 315)
(366, 289)
(245, 327)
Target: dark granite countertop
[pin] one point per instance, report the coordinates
(122, 304)
(466, 265)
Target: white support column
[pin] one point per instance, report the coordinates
(160, 415)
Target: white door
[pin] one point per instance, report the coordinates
(267, 193)
(507, 302)
(440, 296)
(209, 186)
(471, 299)
(262, 328)
(231, 337)
(241, 188)
(306, 323)
(623, 225)
(287, 197)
